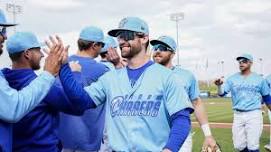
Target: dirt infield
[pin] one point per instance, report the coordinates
(226, 125)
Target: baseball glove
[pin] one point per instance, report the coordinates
(208, 149)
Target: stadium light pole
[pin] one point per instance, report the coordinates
(177, 17)
(14, 9)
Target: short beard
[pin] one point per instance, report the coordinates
(164, 61)
(133, 52)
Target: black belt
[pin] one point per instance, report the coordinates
(240, 110)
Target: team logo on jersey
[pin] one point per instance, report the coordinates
(124, 106)
(246, 91)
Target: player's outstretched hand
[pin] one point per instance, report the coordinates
(75, 66)
(218, 82)
(54, 52)
(114, 57)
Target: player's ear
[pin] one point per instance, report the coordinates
(172, 55)
(27, 54)
(145, 39)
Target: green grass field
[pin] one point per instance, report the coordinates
(224, 138)
(219, 110)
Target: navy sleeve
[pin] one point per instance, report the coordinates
(267, 99)
(74, 90)
(180, 128)
(58, 101)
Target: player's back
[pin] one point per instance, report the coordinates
(84, 132)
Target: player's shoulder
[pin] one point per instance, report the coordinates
(257, 76)
(159, 69)
(268, 77)
(181, 70)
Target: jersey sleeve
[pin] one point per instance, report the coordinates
(265, 90)
(97, 90)
(268, 79)
(193, 89)
(15, 104)
(176, 97)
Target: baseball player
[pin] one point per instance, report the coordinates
(164, 50)
(146, 109)
(268, 146)
(84, 133)
(247, 89)
(37, 131)
(15, 104)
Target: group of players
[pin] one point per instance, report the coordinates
(127, 103)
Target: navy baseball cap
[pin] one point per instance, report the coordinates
(245, 56)
(134, 24)
(21, 41)
(165, 40)
(109, 42)
(3, 21)
(92, 33)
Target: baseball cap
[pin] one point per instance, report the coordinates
(21, 41)
(109, 42)
(3, 21)
(134, 24)
(92, 33)
(246, 56)
(165, 40)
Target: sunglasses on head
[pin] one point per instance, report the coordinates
(161, 47)
(129, 35)
(243, 61)
(3, 31)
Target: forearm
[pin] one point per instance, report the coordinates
(199, 111)
(220, 90)
(201, 116)
(179, 131)
(16, 104)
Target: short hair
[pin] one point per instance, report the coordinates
(16, 56)
(84, 45)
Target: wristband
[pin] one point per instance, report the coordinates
(206, 130)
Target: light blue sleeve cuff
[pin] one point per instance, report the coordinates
(47, 76)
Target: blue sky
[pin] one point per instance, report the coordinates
(213, 30)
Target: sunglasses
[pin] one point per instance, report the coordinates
(3, 31)
(129, 35)
(100, 44)
(162, 48)
(245, 61)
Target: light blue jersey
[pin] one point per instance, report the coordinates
(189, 81)
(108, 64)
(15, 104)
(138, 117)
(247, 91)
(268, 78)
